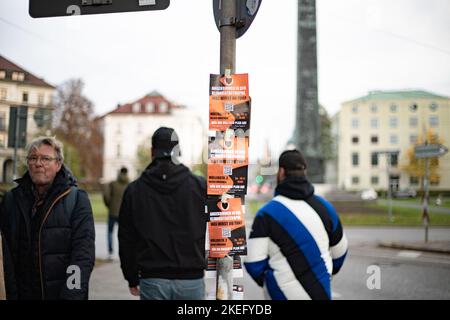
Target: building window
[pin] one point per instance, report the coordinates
(18, 76)
(40, 99)
(3, 94)
(434, 182)
(394, 159)
(374, 159)
(434, 121)
(374, 139)
(374, 108)
(374, 180)
(118, 151)
(2, 74)
(413, 138)
(25, 97)
(355, 108)
(414, 181)
(393, 122)
(393, 107)
(413, 122)
(433, 106)
(150, 107)
(355, 159)
(355, 180)
(393, 139)
(355, 139)
(355, 123)
(2, 121)
(413, 107)
(374, 123)
(163, 107)
(136, 107)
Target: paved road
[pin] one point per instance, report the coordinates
(404, 274)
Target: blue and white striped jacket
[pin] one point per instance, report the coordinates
(296, 243)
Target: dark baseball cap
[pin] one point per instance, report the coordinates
(292, 160)
(164, 140)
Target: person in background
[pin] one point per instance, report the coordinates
(162, 226)
(297, 242)
(112, 196)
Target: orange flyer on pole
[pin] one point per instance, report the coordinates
(226, 228)
(229, 102)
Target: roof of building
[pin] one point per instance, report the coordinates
(153, 97)
(398, 95)
(29, 78)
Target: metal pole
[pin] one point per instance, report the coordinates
(389, 193)
(16, 143)
(224, 280)
(425, 216)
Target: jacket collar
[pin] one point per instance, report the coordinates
(297, 188)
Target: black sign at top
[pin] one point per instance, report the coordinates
(58, 8)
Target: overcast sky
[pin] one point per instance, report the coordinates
(362, 46)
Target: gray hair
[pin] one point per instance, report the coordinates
(48, 141)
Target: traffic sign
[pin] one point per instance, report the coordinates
(58, 8)
(246, 11)
(430, 150)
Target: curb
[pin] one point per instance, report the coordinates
(442, 247)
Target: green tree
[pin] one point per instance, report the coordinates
(143, 156)
(416, 166)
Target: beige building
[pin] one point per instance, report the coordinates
(132, 125)
(19, 87)
(389, 121)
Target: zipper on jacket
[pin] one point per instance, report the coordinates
(39, 241)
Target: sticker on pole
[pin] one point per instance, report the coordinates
(229, 102)
(227, 163)
(226, 228)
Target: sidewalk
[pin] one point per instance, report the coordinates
(107, 281)
(431, 246)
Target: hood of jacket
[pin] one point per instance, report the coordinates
(297, 188)
(165, 176)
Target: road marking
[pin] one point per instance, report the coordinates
(409, 254)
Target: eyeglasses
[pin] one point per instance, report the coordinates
(45, 160)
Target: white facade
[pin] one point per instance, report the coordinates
(124, 132)
(389, 121)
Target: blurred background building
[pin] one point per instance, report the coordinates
(19, 87)
(127, 132)
(391, 121)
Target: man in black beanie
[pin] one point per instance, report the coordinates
(297, 242)
(162, 224)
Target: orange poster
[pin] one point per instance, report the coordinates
(226, 228)
(229, 102)
(227, 163)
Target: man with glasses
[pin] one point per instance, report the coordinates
(48, 225)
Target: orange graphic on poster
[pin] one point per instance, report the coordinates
(226, 228)
(229, 102)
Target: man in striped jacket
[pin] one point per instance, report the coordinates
(297, 242)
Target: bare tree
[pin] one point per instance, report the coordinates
(76, 126)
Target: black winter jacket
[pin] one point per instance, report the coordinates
(44, 247)
(162, 224)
